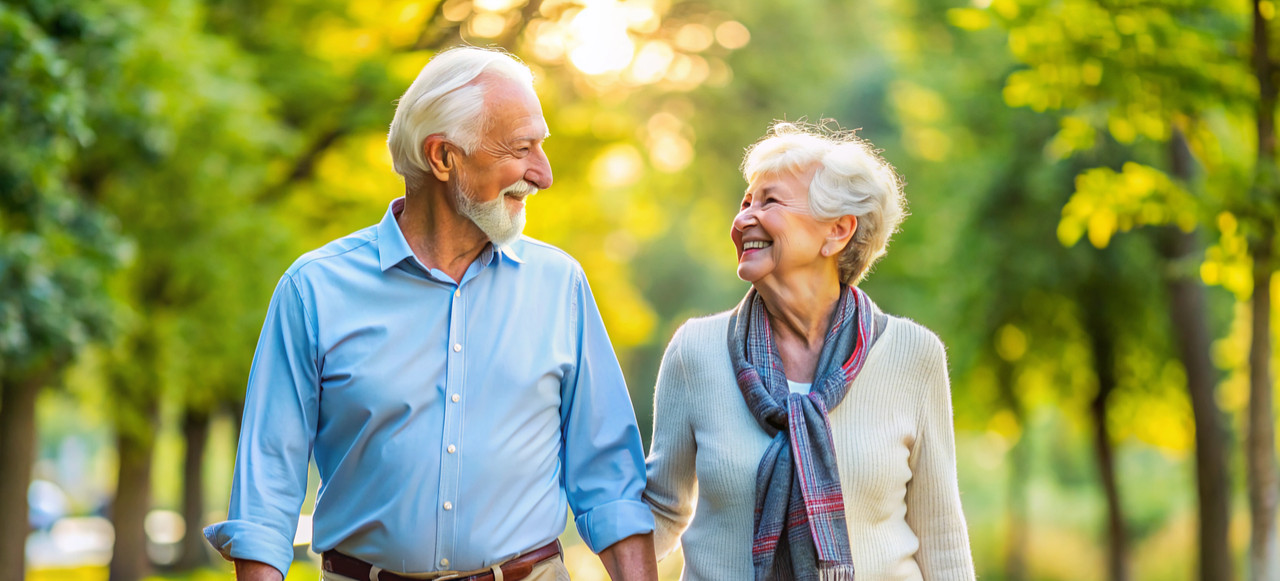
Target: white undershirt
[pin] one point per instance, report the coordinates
(799, 387)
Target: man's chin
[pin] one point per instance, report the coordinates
(511, 233)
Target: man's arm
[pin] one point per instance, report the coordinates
(631, 559)
(602, 455)
(257, 571)
(280, 416)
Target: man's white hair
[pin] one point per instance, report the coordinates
(850, 179)
(447, 98)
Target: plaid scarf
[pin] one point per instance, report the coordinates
(798, 493)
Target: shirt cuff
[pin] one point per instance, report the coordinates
(241, 539)
(611, 522)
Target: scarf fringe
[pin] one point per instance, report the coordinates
(835, 572)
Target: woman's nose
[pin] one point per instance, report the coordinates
(746, 218)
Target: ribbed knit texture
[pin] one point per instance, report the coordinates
(894, 443)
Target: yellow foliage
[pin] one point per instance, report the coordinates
(927, 143)
(1007, 9)
(969, 18)
(628, 317)
(916, 103)
(1122, 129)
(1106, 202)
(645, 219)
(89, 573)
(1011, 343)
(1227, 263)
(1102, 224)
(1006, 425)
(1091, 72)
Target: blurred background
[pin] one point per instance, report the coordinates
(1093, 188)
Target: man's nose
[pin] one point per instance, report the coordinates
(540, 172)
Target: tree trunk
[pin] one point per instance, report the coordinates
(1019, 472)
(129, 560)
(1261, 440)
(195, 429)
(1187, 313)
(1104, 368)
(17, 454)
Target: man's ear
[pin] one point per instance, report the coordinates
(839, 235)
(435, 150)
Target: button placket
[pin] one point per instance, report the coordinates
(450, 464)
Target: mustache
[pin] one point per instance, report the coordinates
(520, 188)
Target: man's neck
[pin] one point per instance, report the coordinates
(439, 236)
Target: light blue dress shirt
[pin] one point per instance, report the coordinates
(451, 423)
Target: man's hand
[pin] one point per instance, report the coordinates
(258, 571)
(631, 559)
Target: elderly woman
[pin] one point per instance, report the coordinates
(805, 434)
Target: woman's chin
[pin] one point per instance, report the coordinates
(749, 274)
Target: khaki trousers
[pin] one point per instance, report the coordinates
(552, 569)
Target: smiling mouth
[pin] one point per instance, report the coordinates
(755, 245)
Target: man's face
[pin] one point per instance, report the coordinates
(508, 163)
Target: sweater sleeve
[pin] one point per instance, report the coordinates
(672, 485)
(933, 493)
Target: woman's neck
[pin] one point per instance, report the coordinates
(799, 317)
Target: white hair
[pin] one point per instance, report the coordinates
(850, 179)
(447, 98)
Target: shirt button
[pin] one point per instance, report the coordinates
(444, 562)
(452, 448)
(448, 505)
(457, 293)
(455, 398)
(457, 347)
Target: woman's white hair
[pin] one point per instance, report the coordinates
(850, 179)
(447, 98)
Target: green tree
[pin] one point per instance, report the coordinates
(1142, 75)
(56, 246)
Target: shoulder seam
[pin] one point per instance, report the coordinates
(314, 335)
(558, 250)
(298, 267)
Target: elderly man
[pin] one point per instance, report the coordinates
(453, 379)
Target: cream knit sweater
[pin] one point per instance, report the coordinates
(894, 444)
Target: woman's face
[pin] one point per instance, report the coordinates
(775, 232)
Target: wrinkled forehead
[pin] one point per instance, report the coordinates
(512, 108)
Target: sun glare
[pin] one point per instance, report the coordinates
(599, 42)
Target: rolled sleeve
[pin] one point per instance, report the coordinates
(276, 438)
(603, 457)
(241, 539)
(609, 523)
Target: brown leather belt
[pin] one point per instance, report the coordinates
(517, 568)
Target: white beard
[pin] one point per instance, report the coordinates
(501, 226)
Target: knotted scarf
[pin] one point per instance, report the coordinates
(800, 530)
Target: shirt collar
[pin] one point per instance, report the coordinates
(508, 251)
(393, 248)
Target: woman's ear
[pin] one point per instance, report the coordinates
(435, 150)
(838, 237)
